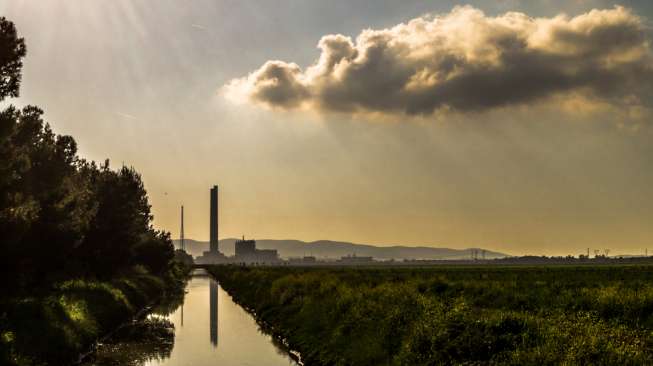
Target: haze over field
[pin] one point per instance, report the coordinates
(520, 126)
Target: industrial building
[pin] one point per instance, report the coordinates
(267, 256)
(303, 260)
(246, 252)
(353, 259)
(245, 248)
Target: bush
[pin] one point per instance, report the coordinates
(58, 327)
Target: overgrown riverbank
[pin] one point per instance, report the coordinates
(481, 315)
(56, 326)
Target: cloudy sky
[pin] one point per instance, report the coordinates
(520, 126)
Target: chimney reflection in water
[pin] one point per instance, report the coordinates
(213, 309)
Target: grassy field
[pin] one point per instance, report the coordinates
(575, 315)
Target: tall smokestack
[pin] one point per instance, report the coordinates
(214, 220)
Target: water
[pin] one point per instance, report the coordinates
(210, 329)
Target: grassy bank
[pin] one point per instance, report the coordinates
(56, 325)
(481, 315)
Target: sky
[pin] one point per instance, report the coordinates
(517, 126)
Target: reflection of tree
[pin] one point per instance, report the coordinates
(137, 344)
(170, 302)
(151, 338)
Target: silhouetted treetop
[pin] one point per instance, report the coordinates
(12, 51)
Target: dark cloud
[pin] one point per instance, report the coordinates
(467, 61)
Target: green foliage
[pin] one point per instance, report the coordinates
(68, 229)
(593, 315)
(57, 208)
(58, 327)
(12, 51)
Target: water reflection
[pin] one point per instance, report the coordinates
(213, 310)
(145, 341)
(241, 342)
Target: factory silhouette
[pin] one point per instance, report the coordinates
(245, 250)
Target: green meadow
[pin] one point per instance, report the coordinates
(575, 315)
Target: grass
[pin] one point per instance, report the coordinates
(591, 315)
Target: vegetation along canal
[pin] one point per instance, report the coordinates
(206, 327)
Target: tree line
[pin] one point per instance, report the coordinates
(62, 216)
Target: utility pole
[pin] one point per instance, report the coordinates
(182, 242)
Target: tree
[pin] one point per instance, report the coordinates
(61, 216)
(155, 252)
(45, 206)
(12, 51)
(121, 223)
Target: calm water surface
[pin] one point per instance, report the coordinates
(210, 329)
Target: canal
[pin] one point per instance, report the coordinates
(209, 329)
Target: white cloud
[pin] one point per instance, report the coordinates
(464, 61)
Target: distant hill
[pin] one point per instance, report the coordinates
(324, 249)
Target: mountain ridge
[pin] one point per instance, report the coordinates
(330, 249)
